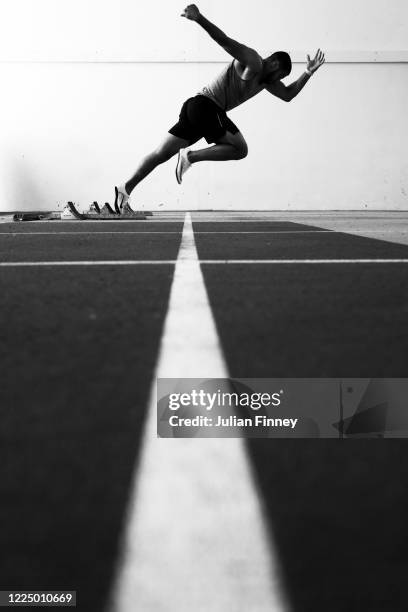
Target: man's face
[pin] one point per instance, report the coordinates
(272, 70)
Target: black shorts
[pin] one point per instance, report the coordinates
(200, 117)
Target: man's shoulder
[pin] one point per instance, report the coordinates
(244, 73)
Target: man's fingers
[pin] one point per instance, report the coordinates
(191, 12)
(318, 59)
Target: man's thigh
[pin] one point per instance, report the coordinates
(236, 140)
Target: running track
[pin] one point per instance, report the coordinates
(92, 501)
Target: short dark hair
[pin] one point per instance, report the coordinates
(285, 63)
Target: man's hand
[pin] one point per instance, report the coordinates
(191, 12)
(314, 64)
(288, 92)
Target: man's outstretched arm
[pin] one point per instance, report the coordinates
(245, 55)
(287, 93)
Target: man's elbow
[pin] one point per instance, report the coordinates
(289, 97)
(285, 98)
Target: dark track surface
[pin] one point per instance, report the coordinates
(89, 247)
(307, 245)
(78, 349)
(311, 321)
(90, 226)
(253, 226)
(337, 513)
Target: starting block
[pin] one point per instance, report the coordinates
(96, 213)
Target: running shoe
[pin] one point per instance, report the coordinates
(121, 198)
(183, 164)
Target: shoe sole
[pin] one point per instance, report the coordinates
(117, 209)
(179, 179)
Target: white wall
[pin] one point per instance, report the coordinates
(82, 102)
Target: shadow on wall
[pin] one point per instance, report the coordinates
(23, 191)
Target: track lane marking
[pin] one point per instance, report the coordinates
(366, 233)
(90, 233)
(112, 262)
(95, 233)
(301, 261)
(195, 539)
(347, 231)
(167, 262)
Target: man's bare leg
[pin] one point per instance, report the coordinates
(228, 147)
(165, 151)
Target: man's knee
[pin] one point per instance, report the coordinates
(242, 150)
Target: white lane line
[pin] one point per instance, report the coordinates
(113, 262)
(347, 231)
(268, 232)
(364, 233)
(306, 220)
(149, 220)
(90, 233)
(96, 233)
(209, 262)
(195, 539)
(302, 261)
(323, 231)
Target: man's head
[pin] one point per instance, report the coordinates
(277, 66)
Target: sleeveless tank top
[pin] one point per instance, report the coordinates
(228, 90)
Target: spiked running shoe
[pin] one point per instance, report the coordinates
(121, 198)
(183, 164)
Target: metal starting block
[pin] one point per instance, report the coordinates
(96, 213)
